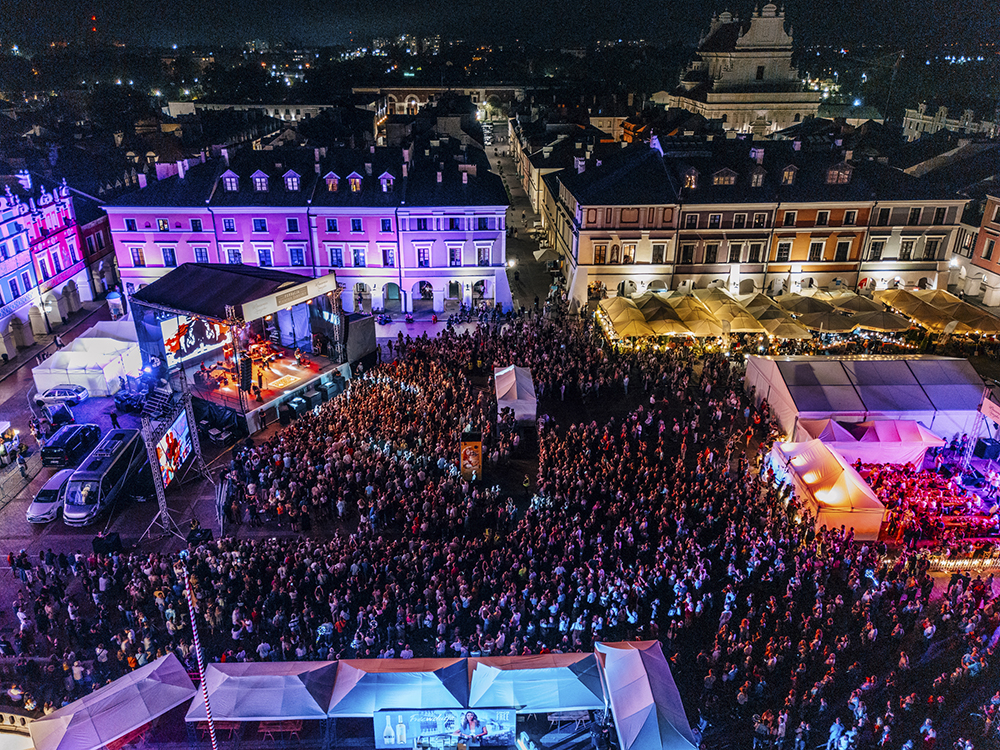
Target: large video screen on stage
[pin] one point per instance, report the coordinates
(480, 727)
(174, 448)
(184, 338)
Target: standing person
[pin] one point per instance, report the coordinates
(59, 342)
(22, 464)
(114, 420)
(836, 732)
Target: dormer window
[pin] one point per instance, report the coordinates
(386, 181)
(354, 180)
(788, 175)
(724, 177)
(230, 182)
(757, 178)
(839, 174)
(332, 181)
(691, 179)
(291, 181)
(259, 182)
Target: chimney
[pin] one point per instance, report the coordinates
(405, 169)
(796, 145)
(465, 178)
(848, 155)
(180, 169)
(225, 156)
(439, 177)
(372, 149)
(141, 177)
(580, 163)
(368, 167)
(316, 155)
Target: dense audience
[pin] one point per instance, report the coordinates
(662, 523)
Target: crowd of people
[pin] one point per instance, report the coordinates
(663, 521)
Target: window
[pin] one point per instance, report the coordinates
(421, 225)
(600, 254)
(90, 246)
(26, 281)
(755, 250)
(389, 257)
(292, 183)
(336, 257)
(130, 225)
(838, 175)
(163, 225)
(739, 221)
(691, 221)
(757, 178)
(822, 218)
(996, 216)
(169, 257)
(359, 254)
(842, 251)
(788, 175)
(386, 185)
(906, 250)
(332, 183)
(196, 225)
(331, 225)
(724, 177)
(711, 253)
(875, 249)
(454, 223)
(784, 252)
(297, 256)
(292, 225)
(138, 259)
(630, 215)
(260, 183)
(815, 252)
(19, 246)
(988, 250)
(883, 217)
(789, 219)
(56, 263)
(940, 214)
(687, 254)
(264, 256)
(201, 255)
(260, 225)
(483, 223)
(235, 256)
(658, 253)
(691, 179)
(931, 249)
(14, 291)
(913, 218)
(735, 252)
(759, 221)
(355, 184)
(455, 256)
(99, 236)
(592, 216)
(356, 225)
(628, 253)
(423, 257)
(483, 256)
(230, 183)
(386, 225)
(760, 72)
(229, 225)
(714, 221)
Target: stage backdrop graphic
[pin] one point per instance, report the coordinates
(174, 448)
(490, 727)
(184, 338)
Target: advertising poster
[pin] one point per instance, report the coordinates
(471, 455)
(479, 727)
(184, 338)
(174, 448)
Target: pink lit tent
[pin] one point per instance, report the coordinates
(875, 441)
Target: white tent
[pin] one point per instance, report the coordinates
(516, 390)
(543, 683)
(117, 330)
(942, 393)
(116, 709)
(266, 691)
(830, 487)
(883, 442)
(95, 363)
(647, 707)
(364, 686)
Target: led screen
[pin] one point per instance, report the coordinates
(174, 448)
(184, 338)
(479, 727)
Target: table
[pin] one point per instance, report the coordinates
(231, 728)
(268, 729)
(578, 718)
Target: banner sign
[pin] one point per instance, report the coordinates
(471, 455)
(480, 727)
(991, 410)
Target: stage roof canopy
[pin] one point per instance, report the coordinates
(543, 683)
(207, 288)
(266, 691)
(364, 686)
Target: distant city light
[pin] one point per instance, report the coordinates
(175, 46)
(857, 102)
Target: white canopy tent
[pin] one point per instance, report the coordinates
(543, 683)
(829, 487)
(516, 391)
(117, 330)
(364, 686)
(941, 393)
(647, 707)
(96, 359)
(266, 691)
(116, 709)
(884, 442)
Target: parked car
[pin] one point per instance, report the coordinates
(62, 394)
(69, 444)
(58, 414)
(49, 500)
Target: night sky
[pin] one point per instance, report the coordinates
(162, 22)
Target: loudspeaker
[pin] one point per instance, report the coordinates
(987, 448)
(246, 373)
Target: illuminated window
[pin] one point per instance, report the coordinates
(788, 175)
(260, 183)
(292, 182)
(355, 184)
(230, 183)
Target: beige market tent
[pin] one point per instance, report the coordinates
(785, 329)
(829, 487)
(796, 303)
(826, 322)
(880, 321)
(739, 319)
(857, 304)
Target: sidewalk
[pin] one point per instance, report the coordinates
(44, 344)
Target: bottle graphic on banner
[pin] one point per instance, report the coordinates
(400, 731)
(388, 736)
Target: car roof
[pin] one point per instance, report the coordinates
(58, 479)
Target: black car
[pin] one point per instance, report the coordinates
(70, 444)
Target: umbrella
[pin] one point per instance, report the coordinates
(857, 304)
(756, 302)
(785, 329)
(713, 298)
(614, 305)
(880, 321)
(739, 319)
(664, 327)
(936, 297)
(633, 329)
(827, 322)
(800, 305)
(652, 300)
(704, 327)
